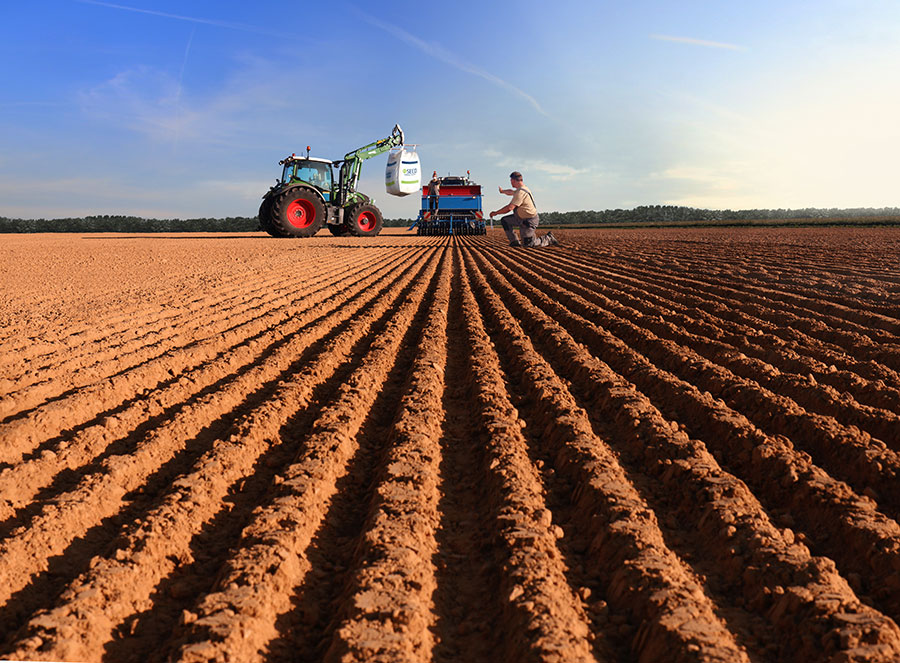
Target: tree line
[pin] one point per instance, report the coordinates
(662, 214)
(652, 214)
(111, 223)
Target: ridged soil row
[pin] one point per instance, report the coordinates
(21, 482)
(25, 555)
(803, 390)
(625, 554)
(144, 338)
(841, 311)
(717, 322)
(810, 607)
(139, 347)
(845, 452)
(815, 398)
(389, 614)
(729, 282)
(764, 332)
(541, 617)
(31, 349)
(117, 329)
(843, 524)
(323, 597)
(239, 620)
(112, 594)
(468, 603)
(851, 337)
(20, 436)
(755, 280)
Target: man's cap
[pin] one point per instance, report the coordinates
(515, 175)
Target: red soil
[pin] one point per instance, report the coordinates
(678, 445)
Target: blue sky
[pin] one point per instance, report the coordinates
(183, 109)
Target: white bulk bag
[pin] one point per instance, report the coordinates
(403, 174)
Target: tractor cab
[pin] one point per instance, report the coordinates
(316, 172)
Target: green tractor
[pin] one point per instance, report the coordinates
(308, 196)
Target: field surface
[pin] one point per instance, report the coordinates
(641, 445)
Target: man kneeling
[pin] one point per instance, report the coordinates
(524, 215)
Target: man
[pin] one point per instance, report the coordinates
(434, 192)
(524, 215)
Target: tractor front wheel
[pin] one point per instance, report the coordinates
(297, 213)
(364, 220)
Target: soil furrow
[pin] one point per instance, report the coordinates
(238, 620)
(714, 320)
(147, 341)
(804, 389)
(101, 494)
(849, 336)
(843, 524)
(467, 596)
(620, 546)
(121, 338)
(540, 607)
(845, 452)
(753, 555)
(22, 481)
(17, 437)
(393, 585)
(777, 331)
(639, 445)
(306, 631)
(202, 331)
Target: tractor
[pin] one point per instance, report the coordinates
(308, 196)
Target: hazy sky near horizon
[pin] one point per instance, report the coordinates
(183, 109)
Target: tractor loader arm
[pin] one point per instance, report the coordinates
(351, 164)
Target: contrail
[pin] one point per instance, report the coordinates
(187, 51)
(440, 53)
(204, 21)
(698, 42)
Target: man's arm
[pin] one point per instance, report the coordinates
(507, 192)
(504, 210)
(514, 203)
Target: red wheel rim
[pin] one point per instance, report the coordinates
(301, 213)
(366, 221)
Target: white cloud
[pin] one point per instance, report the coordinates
(245, 190)
(698, 42)
(726, 186)
(556, 171)
(247, 105)
(706, 176)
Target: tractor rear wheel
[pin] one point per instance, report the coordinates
(297, 213)
(364, 220)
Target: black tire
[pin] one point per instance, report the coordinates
(339, 230)
(265, 218)
(298, 212)
(364, 220)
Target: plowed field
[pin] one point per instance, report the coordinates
(666, 445)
